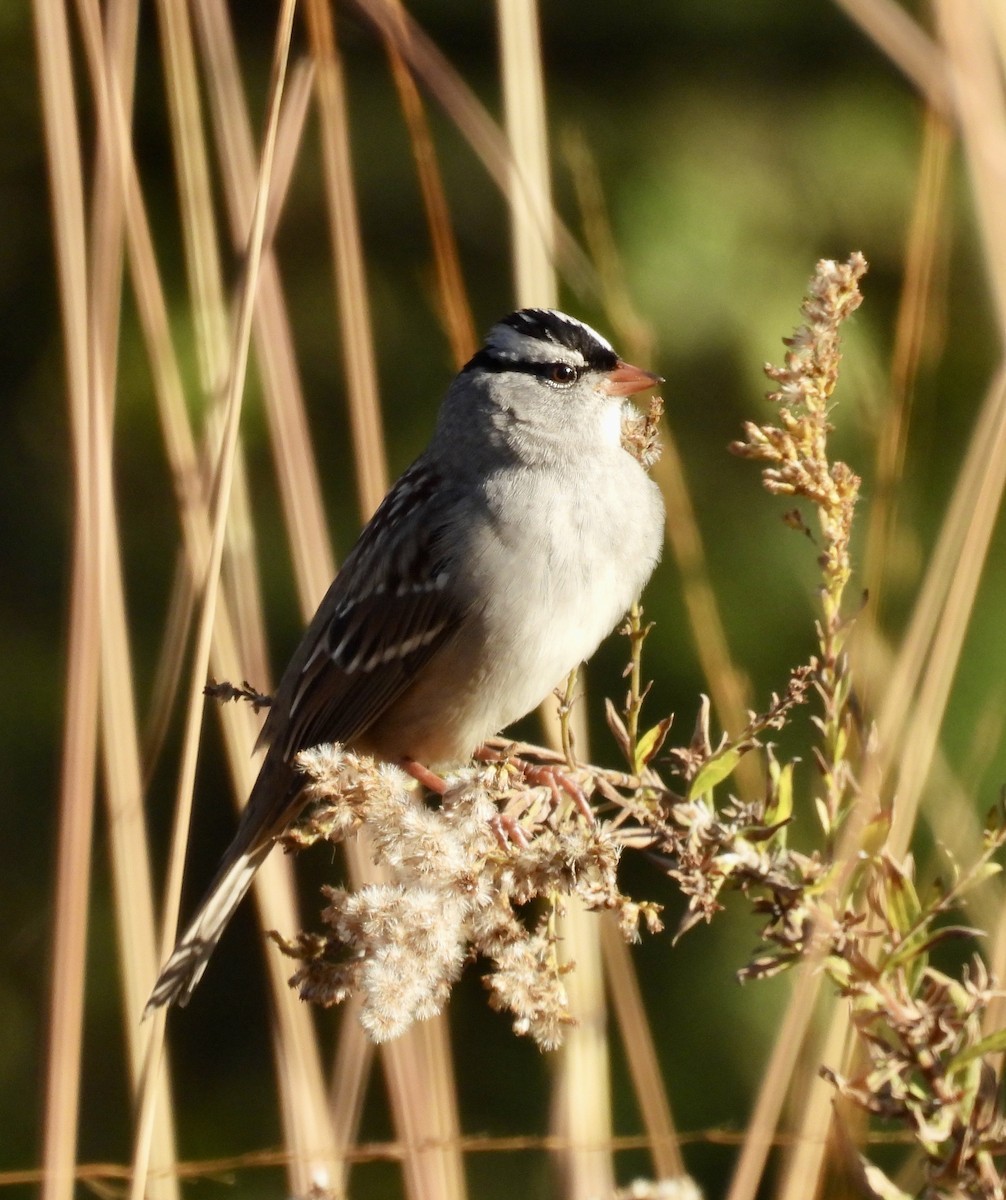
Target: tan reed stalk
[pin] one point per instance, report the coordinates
(297, 474)
(170, 660)
(954, 821)
(760, 1132)
(644, 1065)
(531, 226)
(76, 810)
(242, 334)
(907, 45)
(581, 1096)
(351, 1066)
(418, 1065)
(313, 1153)
(192, 167)
(353, 305)
(968, 33)
(925, 264)
(473, 122)
(452, 299)
(134, 907)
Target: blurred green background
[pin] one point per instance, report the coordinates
(736, 144)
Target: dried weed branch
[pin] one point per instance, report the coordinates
(483, 874)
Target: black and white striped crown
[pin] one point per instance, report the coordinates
(531, 337)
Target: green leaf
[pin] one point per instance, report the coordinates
(780, 808)
(714, 771)
(901, 901)
(650, 742)
(975, 877)
(875, 834)
(995, 1043)
(918, 944)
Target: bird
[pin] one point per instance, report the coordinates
(497, 563)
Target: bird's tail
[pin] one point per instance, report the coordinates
(272, 805)
(192, 951)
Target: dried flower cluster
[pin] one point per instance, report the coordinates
(459, 883)
(797, 453)
(797, 449)
(641, 431)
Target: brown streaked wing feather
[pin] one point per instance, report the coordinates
(398, 636)
(386, 614)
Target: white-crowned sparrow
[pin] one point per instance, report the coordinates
(495, 565)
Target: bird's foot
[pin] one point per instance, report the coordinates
(429, 779)
(548, 775)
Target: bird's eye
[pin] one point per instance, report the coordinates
(561, 373)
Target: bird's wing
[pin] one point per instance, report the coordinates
(391, 607)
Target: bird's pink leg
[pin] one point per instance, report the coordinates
(429, 779)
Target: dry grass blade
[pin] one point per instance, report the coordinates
(644, 1066)
(452, 299)
(923, 729)
(923, 270)
(980, 102)
(201, 256)
(529, 191)
(581, 1105)
(473, 121)
(81, 706)
(296, 472)
(238, 639)
(907, 45)
(238, 366)
(347, 256)
(134, 906)
(776, 1079)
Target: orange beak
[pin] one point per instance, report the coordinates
(626, 379)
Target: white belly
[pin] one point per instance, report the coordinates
(556, 592)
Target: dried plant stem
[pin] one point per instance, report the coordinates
(353, 305)
(634, 701)
(907, 45)
(472, 121)
(581, 1095)
(923, 268)
(968, 34)
(76, 813)
(242, 334)
(774, 1085)
(452, 299)
(644, 1065)
(313, 1153)
(296, 470)
(133, 892)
